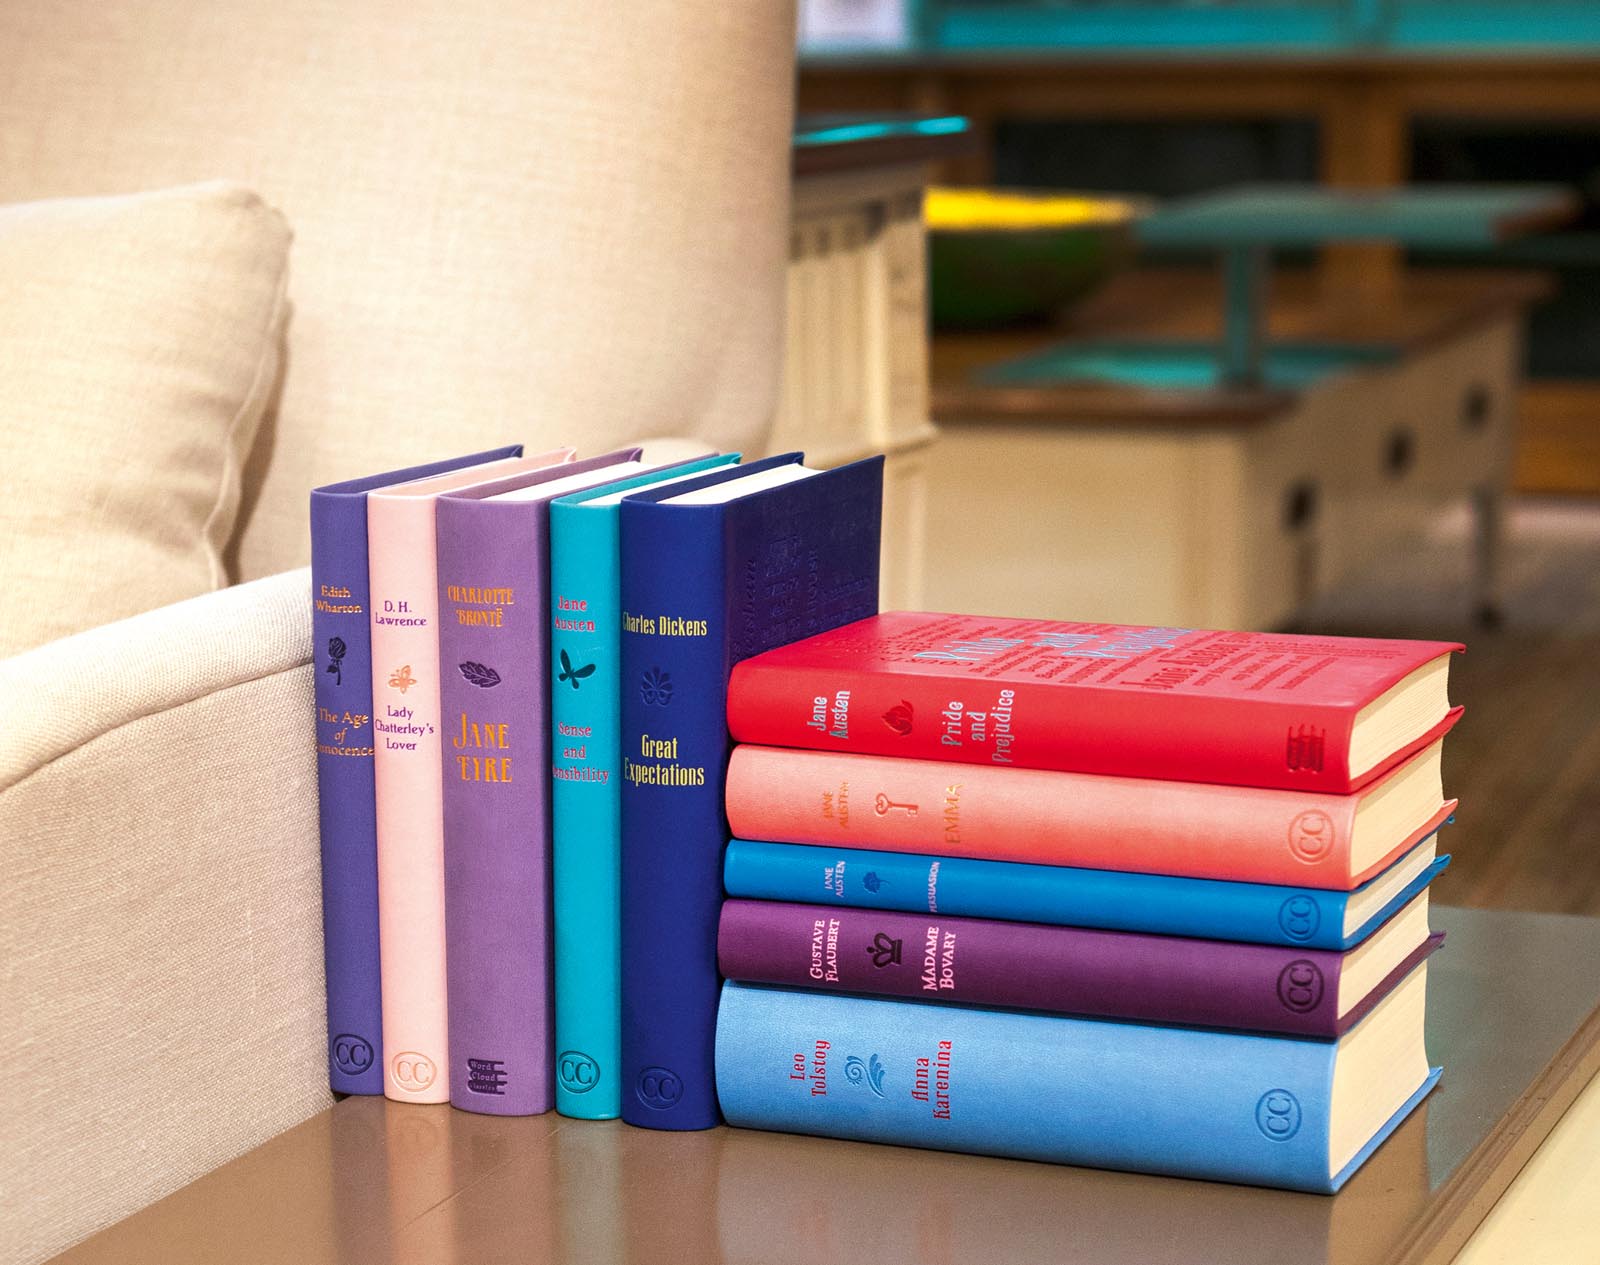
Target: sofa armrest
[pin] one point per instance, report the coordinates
(160, 922)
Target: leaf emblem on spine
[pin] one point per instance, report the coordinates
(479, 674)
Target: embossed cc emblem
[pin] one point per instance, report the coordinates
(413, 1071)
(351, 1054)
(659, 1087)
(1311, 835)
(578, 1072)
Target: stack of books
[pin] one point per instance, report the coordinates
(1140, 898)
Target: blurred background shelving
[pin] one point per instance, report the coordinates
(1175, 97)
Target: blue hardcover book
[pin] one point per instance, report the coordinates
(586, 798)
(1265, 1111)
(713, 571)
(342, 645)
(1208, 909)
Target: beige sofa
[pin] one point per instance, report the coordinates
(512, 221)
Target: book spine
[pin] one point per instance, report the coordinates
(1028, 815)
(1058, 895)
(493, 655)
(586, 801)
(1063, 970)
(1146, 1098)
(342, 664)
(1299, 746)
(408, 796)
(674, 753)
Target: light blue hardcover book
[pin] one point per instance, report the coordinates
(1188, 1102)
(1208, 909)
(586, 758)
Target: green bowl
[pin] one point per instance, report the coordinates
(985, 276)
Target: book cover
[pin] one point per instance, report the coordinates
(1186, 829)
(703, 586)
(408, 789)
(341, 638)
(1187, 1102)
(586, 791)
(1114, 900)
(1273, 709)
(1063, 970)
(494, 695)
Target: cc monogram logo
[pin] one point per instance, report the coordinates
(1299, 918)
(1300, 986)
(1278, 1115)
(1311, 835)
(413, 1071)
(659, 1087)
(351, 1053)
(578, 1072)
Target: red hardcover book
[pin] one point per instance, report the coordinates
(1276, 710)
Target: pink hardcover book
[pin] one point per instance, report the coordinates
(406, 723)
(1038, 817)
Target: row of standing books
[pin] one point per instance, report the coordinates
(954, 838)
(520, 669)
(1152, 899)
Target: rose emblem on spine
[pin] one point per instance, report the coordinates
(336, 651)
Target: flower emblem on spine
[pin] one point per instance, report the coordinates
(655, 688)
(899, 717)
(336, 653)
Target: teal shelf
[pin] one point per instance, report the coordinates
(1433, 217)
(976, 29)
(1183, 366)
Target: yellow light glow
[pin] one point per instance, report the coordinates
(955, 209)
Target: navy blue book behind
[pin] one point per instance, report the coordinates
(342, 659)
(704, 586)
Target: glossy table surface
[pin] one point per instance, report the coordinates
(1514, 1016)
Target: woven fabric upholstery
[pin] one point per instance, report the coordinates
(557, 222)
(160, 919)
(139, 351)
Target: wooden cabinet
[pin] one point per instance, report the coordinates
(1224, 509)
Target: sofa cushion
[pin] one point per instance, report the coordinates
(539, 220)
(140, 346)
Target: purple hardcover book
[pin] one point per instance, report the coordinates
(494, 651)
(1072, 970)
(342, 639)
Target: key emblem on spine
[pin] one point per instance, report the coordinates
(885, 806)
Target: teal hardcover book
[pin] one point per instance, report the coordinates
(586, 756)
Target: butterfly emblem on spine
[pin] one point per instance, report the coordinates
(570, 673)
(401, 679)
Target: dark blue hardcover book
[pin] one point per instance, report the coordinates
(1066, 896)
(342, 659)
(714, 570)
